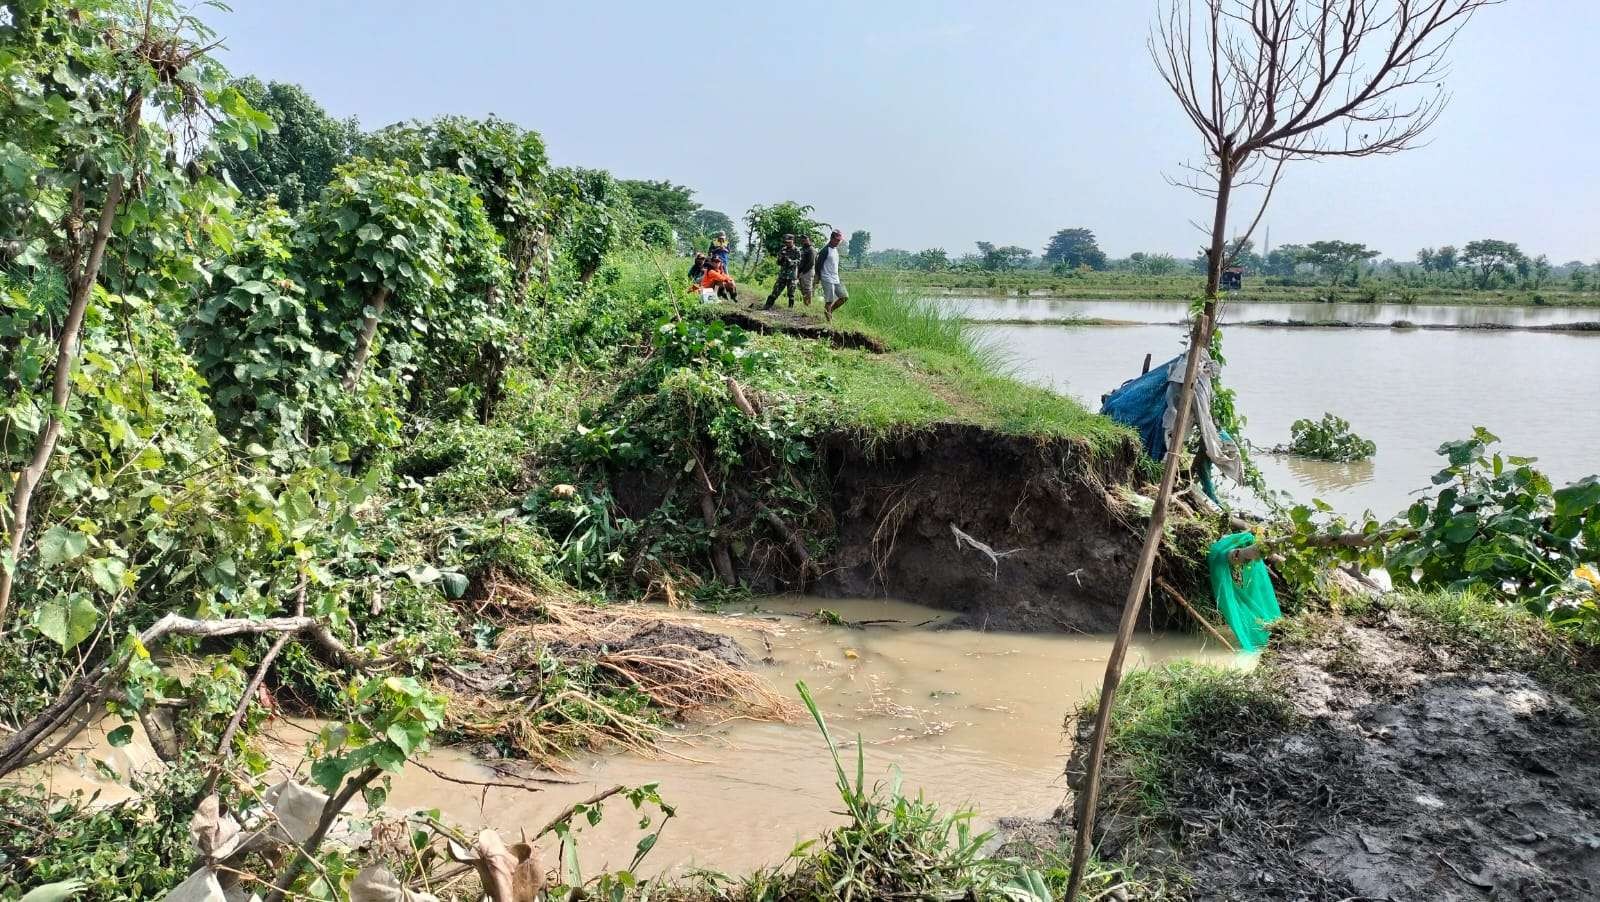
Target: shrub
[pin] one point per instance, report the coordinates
(1328, 439)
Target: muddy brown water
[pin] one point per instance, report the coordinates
(969, 718)
(1409, 391)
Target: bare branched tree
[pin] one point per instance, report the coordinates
(1268, 82)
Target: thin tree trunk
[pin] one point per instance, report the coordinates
(720, 558)
(61, 393)
(369, 331)
(1199, 338)
(330, 813)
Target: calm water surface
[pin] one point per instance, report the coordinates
(1172, 311)
(1407, 391)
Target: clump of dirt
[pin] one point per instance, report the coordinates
(1408, 774)
(1013, 532)
(552, 684)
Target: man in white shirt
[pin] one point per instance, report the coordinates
(833, 293)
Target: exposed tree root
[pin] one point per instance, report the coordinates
(683, 669)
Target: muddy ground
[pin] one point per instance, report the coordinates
(1410, 774)
(801, 323)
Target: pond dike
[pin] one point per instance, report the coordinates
(1060, 517)
(785, 322)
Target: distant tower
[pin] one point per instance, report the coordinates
(1266, 244)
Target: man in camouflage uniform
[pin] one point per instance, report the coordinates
(788, 272)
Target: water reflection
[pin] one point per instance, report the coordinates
(1326, 475)
(1040, 308)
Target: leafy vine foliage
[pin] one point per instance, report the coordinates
(1499, 525)
(212, 406)
(1494, 525)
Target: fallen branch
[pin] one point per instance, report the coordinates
(1184, 603)
(1343, 540)
(740, 399)
(708, 512)
(796, 544)
(572, 809)
(14, 752)
(224, 750)
(330, 812)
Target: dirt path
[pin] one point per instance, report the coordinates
(1411, 774)
(799, 321)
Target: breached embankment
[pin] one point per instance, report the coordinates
(904, 516)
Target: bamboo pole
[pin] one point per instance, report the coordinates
(1137, 587)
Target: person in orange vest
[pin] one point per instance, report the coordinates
(717, 278)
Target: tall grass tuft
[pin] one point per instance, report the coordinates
(897, 847)
(909, 321)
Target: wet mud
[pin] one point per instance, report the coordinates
(1410, 774)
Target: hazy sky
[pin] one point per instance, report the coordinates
(940, 124)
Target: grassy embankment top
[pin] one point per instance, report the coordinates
(1183, 287)
(938, 370)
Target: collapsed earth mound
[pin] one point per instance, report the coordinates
(911, 515)
(1014, 532)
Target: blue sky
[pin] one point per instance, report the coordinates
(941, 123)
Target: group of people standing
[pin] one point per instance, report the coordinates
(800, 266)
(804, 266)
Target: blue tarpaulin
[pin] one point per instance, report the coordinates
(1142, 404)
(1149, 405)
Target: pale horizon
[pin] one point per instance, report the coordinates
(936, 125)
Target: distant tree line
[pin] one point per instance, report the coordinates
(1484, 264)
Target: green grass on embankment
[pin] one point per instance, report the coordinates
(939, 369)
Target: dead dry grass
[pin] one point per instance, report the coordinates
(686, 671)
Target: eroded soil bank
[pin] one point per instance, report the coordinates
(892, 513)
(1411, 771)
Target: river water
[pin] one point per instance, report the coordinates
(1044, 308)
(967, 717)
(1408, 391)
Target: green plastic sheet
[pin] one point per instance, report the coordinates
(1247, 603)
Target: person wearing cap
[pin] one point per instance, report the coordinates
(698, 270)
(808, 268)
(833, 292)
(719, 248)
(788, 266)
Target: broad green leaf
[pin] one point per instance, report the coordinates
(67, 621)
(329, 773)
(454, 584)
(369, 232)
(107, 573)
(407, 735)
(54, 892)
(121, 736)
(60, 544)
